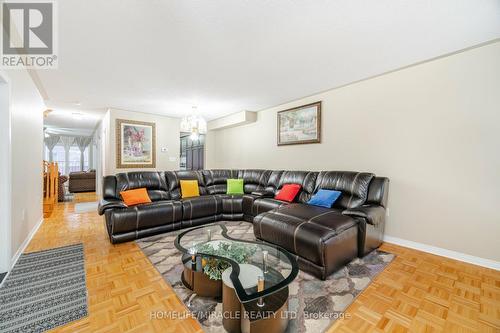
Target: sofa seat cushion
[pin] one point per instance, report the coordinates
(308, 231)
(158, 213)
(263, 205)
(328, 217)
(205, 205)
(146, 216)
(231, 203)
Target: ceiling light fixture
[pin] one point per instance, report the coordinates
(194, 124)
(47, 112)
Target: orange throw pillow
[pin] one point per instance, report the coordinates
(189, 188)
(135, 197)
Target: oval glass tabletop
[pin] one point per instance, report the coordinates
(228, 244)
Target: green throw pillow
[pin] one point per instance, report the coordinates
(235, 186)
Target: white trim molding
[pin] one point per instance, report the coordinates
(21, 249)
(444, 252)
(25, 243)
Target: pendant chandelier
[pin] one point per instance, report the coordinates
(194, 124)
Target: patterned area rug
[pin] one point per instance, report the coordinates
(316, 303)
(45, 289)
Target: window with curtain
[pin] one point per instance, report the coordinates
(58, 156)
(86, 158)
(74, 159)
(73, 162)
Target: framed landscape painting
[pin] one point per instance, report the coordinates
(300, 125)
(135, 144)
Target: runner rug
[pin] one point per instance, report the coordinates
(44, 290)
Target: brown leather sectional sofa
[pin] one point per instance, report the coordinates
(323, 239)
(82, 181)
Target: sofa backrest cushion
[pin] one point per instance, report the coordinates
(173, 182)
(216, 180)
(274, 181)
(254, 179)
(153, 181)
(353, 185)
(307, 179)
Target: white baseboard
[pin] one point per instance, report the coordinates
(22, 248)
(25, 243)
(444, 252)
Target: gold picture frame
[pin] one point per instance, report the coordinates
(299, 125)
(135, 144)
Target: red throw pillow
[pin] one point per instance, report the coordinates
(288, 192)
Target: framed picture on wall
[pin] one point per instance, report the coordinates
(135, 144)
(300, 125)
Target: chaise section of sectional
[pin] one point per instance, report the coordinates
(325, 239)
(322, 238)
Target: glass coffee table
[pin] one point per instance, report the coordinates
(226, 260)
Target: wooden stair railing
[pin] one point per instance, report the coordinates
(50, 187)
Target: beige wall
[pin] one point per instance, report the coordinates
(167, 135)
(433, 129)
(27, 108)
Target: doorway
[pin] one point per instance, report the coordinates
(5, 175)
(192, 152)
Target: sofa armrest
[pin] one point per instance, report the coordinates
(263, 194)
(373, 214)
(104, 205)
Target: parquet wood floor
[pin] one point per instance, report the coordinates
(421, 292)
(418, 292)
(123, 286)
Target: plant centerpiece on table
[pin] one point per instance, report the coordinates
(238, 252)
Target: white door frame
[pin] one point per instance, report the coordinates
(5, 173)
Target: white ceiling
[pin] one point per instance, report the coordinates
(230, 55)
(70, 119)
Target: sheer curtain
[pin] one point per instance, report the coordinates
(67, 142)
(82, 142)
(51, 142)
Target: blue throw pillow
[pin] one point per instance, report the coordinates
(324, 198)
